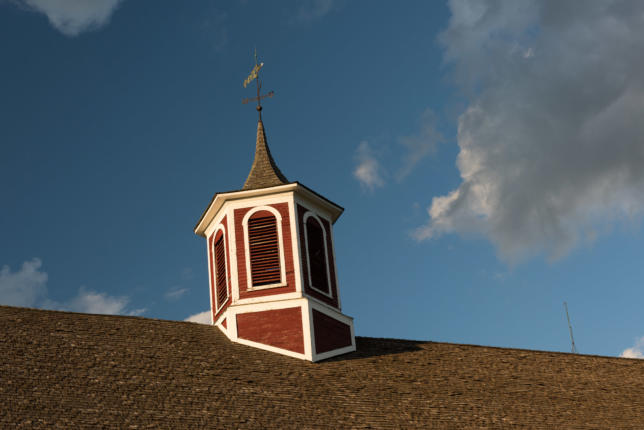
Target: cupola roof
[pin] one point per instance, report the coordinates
(264, 172)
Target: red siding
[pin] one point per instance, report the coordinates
(333, 301)
(282, 208)
(223, 322)
(281, 328)
(330, 333)
(211, 259)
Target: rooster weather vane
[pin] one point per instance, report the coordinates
(254, 76)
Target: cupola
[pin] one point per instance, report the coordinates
(271, 264)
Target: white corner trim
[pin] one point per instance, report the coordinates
(333, 313)
(323, 304)
(221, 318)
(308, 215)
(232, 243)
(335, 268)
(210, 278)
(218, 305)
(295, 243)
(334, 352)
(307, 329)
(280, 243)
(309, 317)
(345, 319)
(222, 328)
(272, 348)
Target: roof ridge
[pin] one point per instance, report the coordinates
(264, 172)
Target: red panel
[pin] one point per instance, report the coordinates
(223, 322)
(330, 333)
(281, 328)
(211, 259)
(282, 208)
(333, 301)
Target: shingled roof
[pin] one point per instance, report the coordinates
(264, 172)
(69, 370)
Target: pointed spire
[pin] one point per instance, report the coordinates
(264, 173)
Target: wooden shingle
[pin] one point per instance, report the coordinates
(69, 370)
(264, 172)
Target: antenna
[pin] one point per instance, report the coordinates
(572, 339)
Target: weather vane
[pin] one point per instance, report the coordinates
(254, 76)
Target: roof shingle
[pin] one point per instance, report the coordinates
(264, 172)
(68, 370)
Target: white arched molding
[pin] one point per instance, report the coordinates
(280, 244)
(218, 306)
(308, 215)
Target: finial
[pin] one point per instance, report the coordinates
(254, 76)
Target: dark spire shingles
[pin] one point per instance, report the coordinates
(264, 172)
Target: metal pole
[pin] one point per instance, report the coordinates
(572, 339)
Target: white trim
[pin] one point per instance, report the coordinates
(212, 308)
(221, 228)
(325, 304)
(334, 352)
(306, 216)
(321, 214)
(335, 266)
(232, 243)
(272, 348)
(307, 330)
(280, 244)
(208, 234)
(222, 328)
(332, 313)
(270, 298)
(269, 306)
(295, 244)
(309, 311)
(221, 318)
(216, 204)
(307, 305)
(260, 201)
(301, 303)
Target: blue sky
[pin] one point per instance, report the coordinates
(489, 156)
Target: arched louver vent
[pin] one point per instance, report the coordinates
(317, 255)
(264, 250)
(220, 271)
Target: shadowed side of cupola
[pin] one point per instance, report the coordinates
(264, 172)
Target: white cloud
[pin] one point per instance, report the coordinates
(310, 10)
(419, 145)
(28, 287)
(175, 293)
(187, 273)
(215, 26)
(636, 351)
(24, 287)
(200, 318)
(552, 142)
(72, 17)
(93, 302)
(368, 172)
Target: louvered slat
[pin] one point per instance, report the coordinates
(264, 251)
(220, 269)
